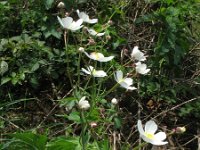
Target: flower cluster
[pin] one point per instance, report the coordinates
(139, 56)
(147, 134)
(69, 24)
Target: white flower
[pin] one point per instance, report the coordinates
(68, 23)
(141, 68)
(94, 33)
(114, 101)
(83, 104)
(137, 54)
(124, 82)
(85, 17)
(95, 73)
(148, 133)
(99, 57)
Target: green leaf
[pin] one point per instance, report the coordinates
(63, 144)
(117, 122)
(5, 80)
(75, 116)
(3, 67)
(49, 4)
(35, 67)
(26, 141)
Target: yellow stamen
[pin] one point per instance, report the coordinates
(149, 135)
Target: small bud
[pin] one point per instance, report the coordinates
(85, 29)
(114, 101)
(110, 22)
(81, 49)
(180, 129)
(91, 41)
(108, 37)
(93, 124)
(66, 14)
(61, 5)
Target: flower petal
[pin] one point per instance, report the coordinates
(92, 21)
(105, 59)
(67, 21)
(155, 142)
(85, 71)
(118, 75)
(140, 128)
(150, 127)
(60, 21)
(99, 73)
(160, 136)
(128, 81)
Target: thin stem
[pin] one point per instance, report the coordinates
(84, 128)
(67, 57)
(112, 89)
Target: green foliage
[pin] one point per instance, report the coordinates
(35, 59)
(25, 141)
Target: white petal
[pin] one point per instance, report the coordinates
(85, 71)
(118, 75)
(137, 54)
(96, 56)
(100, 73)
(128, 81)
(83, 16)
(67, 21)
(100, 34)
(160, 136)
(126, 86)
(141, 68)
(105, 59)
(155, 142)
(92, 21)
(150, 127)
(92, 32)
(140, 128)
(82, 99)
(60, 21)
(90, 68)
(79, 22)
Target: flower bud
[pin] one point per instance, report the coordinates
(66, 14)
(61, 5)
(114, 101)
(93, 124)
(108, 37)
(180, 130)
(81, 49)
(91, 41)
(85, 29)
(110, 22)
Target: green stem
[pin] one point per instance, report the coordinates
(140, 146)
(112, 89)
(84, 129)
(67, 57)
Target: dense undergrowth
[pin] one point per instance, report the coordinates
(42, 79)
